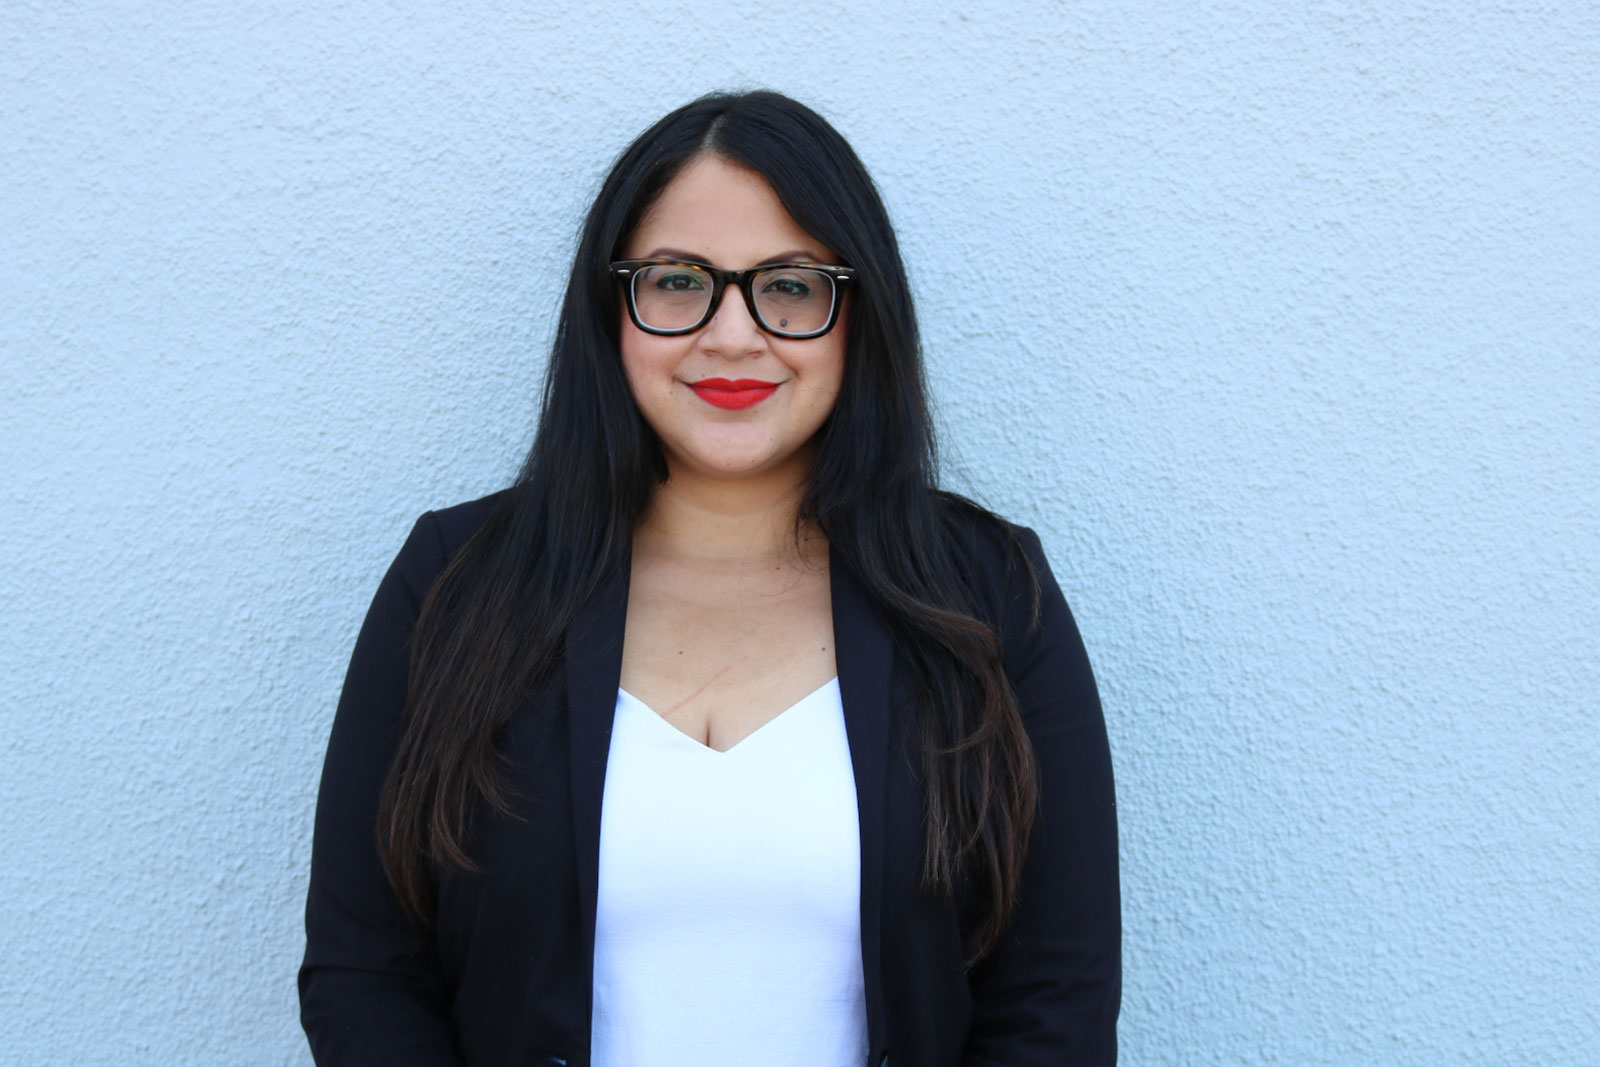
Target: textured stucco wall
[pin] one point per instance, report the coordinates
(1279, 321)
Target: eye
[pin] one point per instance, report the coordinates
(679, 281)
(787, 285)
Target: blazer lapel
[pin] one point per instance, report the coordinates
(593, 663)
(864, 653)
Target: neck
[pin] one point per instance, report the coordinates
(724, 521)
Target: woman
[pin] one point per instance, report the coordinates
(722, 737)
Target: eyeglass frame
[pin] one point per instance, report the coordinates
(623, 271)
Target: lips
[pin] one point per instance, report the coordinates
(739, 393)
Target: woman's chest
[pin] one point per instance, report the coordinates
(718, 656)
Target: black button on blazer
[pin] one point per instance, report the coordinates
(505, 976)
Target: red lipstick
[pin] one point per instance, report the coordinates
(741, 393)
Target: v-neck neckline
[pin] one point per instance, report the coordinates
(785, 713)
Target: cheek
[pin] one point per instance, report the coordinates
(646, 362)
(834, 377)
(631, 359)
(821, 377)
(830, 364)
(838, 340)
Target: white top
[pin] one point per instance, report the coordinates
(728, 919)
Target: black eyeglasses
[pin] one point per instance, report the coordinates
(794, 300)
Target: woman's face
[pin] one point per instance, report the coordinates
(727, 216)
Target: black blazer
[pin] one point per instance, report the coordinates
(505, 976)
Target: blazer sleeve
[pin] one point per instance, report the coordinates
(371, 991)
(1051, 991)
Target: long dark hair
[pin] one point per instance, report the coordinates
(491, 627)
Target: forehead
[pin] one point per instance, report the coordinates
(725, 214)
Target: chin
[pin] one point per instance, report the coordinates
(733, 468)
(728, 465)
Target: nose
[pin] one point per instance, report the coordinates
(733, 332)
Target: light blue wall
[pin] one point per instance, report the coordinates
(1278, 320)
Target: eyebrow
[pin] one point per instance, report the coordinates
(793, 255)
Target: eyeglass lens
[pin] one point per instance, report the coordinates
(787, 299)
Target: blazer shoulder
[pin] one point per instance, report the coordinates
(435, 539)
(986, 540)
(458, 522)
(1004, 563)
